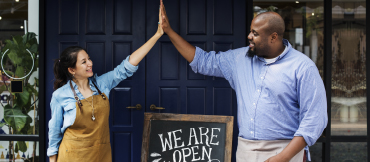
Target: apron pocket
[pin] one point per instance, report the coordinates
(85, 154)
(262, 156)
(254, 156)
(90, 154)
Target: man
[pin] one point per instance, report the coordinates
(281, 97)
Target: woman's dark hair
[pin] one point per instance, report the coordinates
(67, 59)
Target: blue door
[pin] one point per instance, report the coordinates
(112, 29)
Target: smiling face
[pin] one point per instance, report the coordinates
(83, 68)
(258, 38)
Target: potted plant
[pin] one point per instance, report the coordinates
(17, 52)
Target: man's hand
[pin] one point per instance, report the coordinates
(277, 158)
(165, 23)
(186, 50)
(293, 148)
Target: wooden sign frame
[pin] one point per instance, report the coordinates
(229, 120)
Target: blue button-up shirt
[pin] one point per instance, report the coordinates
(276, 101)
(63, 104)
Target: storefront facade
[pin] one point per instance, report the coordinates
(330, 32)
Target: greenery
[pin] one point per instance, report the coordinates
(313, 22)
(19, 104)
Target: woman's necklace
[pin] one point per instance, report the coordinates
(92, 105)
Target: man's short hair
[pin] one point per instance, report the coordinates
(275, 23)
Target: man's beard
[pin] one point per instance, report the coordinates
(260, 52)
(252, 53)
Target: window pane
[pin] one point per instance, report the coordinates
(348, 152)
(20, 150)
(348, 111)
(19, 27)
(304, 25)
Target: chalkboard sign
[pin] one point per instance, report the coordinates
(185, 137)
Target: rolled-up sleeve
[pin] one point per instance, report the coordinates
(55, 127)
(313, 106)
(212, 64)
(121, 72)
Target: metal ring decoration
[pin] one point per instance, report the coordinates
(2, 67)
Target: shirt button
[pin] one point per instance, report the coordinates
(261, 77)
(254, 103)
(258, 90)
(251, 132)
(252, 119)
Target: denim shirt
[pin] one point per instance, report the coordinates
(277, 100)
(63, 104)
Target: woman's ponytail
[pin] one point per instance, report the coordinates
(67, 59)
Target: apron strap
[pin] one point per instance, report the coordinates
(99, 91)
(76, 97)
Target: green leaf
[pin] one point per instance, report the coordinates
(30, 130)
(19, 72)
(14, 117)
(22, 146)
(23, 98)
(2, 124)
(17, 40)
(28, 37)
(13, 56)
(16, 148)
(9, 45)
(33, 49)
(27, 129)
(2, 88)
(9, 73)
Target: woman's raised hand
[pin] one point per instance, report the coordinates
(160, 30)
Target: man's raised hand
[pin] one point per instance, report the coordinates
(165, 23)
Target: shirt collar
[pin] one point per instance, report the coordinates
(287, 45)
(90, 83)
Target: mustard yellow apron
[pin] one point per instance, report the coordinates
(87, 139)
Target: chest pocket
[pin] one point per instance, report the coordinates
(70, 106)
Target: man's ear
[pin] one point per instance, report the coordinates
(274, 37)
(71, 71)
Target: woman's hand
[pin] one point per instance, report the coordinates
(164, 19)
(140, 53)
(160, 30)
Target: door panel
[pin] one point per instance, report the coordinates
(109, 30)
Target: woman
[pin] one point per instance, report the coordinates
(79, 128)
